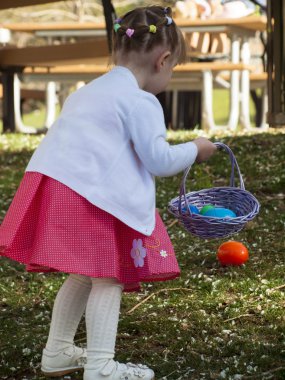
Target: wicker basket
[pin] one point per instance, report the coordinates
(237, 199)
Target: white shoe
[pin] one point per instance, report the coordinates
(63, 362)
(116, 371)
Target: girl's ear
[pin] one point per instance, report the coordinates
(161, 60)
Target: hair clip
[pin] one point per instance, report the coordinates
(169, 20)
(152, 29)
(116, 27)
(165, 10)
(118, 20)
(130, 32)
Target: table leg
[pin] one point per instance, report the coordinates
(174, 117)
(264, 108)
(8, 101)
(208, 122)
(50, 104)
(19, 124)
(234, 91)
(245, 85)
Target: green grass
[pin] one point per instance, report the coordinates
(213, 322)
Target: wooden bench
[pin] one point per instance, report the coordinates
(62, 62)
(203, 78)
(191, 76)
(14, 60)
(28, 93)
(208, 71)
(53, 55)
(257, 81)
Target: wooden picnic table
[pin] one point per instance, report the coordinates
(252, 23)
(90, 50)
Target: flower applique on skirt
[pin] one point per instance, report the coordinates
(51, 228)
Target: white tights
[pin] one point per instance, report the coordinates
(101, 298)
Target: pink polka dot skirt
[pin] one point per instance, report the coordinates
(51, 228)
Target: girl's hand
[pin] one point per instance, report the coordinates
(205, 149)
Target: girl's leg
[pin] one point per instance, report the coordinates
(60, 355)
(102, 315)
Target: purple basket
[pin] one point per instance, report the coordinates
(237, 199)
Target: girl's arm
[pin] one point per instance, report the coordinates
(148, 134)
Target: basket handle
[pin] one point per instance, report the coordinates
(234, 165)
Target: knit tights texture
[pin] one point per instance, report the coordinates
(100, 300)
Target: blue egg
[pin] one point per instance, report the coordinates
(220, 212)
(193, 209)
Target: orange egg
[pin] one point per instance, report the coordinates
(232, 253)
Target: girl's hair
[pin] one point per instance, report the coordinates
(145, 28)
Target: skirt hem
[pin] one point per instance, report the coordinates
(51, 228)
(128, 286)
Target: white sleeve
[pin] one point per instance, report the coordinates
(148, 134)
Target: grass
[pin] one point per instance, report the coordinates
(213, 322)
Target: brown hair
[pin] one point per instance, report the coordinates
(142, 39)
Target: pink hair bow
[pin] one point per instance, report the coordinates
(130, 32)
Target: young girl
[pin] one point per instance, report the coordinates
(86, 205)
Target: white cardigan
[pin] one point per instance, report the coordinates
(108, 144)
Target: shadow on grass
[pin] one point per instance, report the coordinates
(213, 322)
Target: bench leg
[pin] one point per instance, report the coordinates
(261, 107)
(50, 115)
(8, 103)
(174, 119)
(245, 86)
(50, 104)
(208, 122)
(264, 95)
(234, 90)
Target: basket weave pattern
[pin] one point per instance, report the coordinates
(237, 199)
